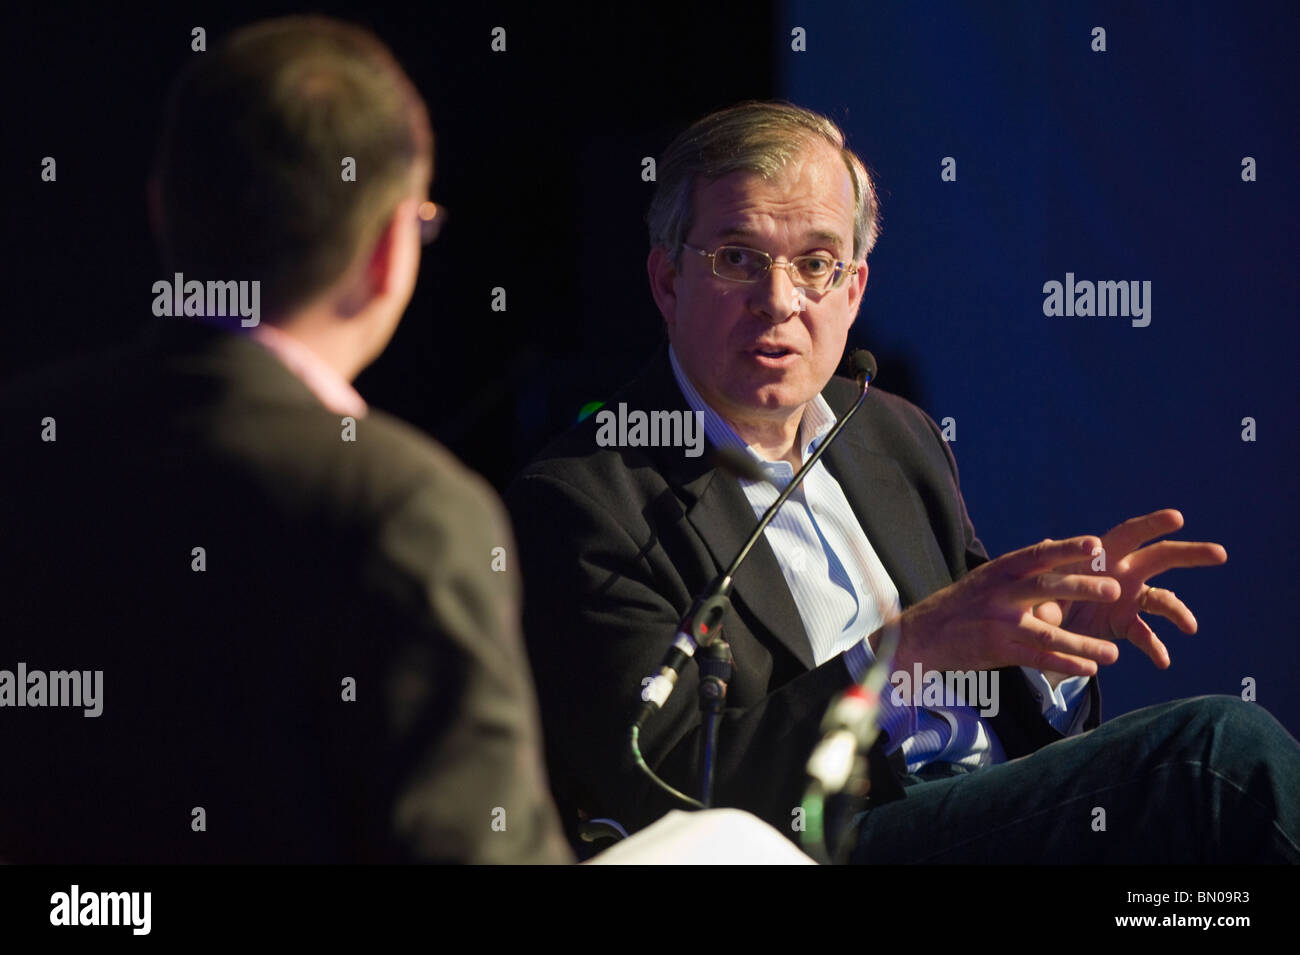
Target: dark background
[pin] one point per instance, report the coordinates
(1115, 166)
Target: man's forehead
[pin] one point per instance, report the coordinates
(811, 196)
(813, 233)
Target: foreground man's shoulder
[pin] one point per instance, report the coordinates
(406, 457)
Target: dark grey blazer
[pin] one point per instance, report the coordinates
(615, 542)
(330, 564)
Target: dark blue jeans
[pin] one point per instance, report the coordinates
(1210, 779)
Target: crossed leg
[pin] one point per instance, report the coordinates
(1209, 779)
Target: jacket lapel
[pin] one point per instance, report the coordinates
(724, 519)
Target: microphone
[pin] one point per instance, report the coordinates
(839, 763)
(863, 365)
(699, 626)
(851, 724)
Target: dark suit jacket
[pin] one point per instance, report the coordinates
(615, 542)
(326, 561)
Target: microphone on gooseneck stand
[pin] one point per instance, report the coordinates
(701, 624)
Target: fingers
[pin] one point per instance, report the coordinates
(1049, 586)
(1144, 638)
(1045, 555)
(1045, 647)
(1136, 531)
(1166, 555)
(1162, 602)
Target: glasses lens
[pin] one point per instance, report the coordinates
(738, 263)
(817, 272)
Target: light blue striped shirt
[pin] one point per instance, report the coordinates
(839, 586)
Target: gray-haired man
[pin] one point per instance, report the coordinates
(761, 226)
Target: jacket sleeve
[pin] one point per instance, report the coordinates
(450, 736)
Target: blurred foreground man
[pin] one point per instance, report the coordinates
(245, 618)
(760, 228)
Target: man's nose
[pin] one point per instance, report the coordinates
(776, 297)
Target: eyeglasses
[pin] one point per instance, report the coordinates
(737, 263)
(432, 217)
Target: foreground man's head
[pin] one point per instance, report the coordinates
(299, 154)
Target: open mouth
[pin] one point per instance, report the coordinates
(773, 354)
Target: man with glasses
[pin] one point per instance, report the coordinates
(306, 653)
(760, 227)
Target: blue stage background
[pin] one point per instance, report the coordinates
(1116, 165)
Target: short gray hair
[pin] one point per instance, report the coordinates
(754, 137)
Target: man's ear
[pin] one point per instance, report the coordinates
(376, 269)
(663, 284)
(385, 255)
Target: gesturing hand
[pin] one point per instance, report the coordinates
(986, 619)
(1132, 565)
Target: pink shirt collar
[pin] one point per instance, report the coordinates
(332, 389)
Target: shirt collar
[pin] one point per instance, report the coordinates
(817, 420)
(330, 388)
